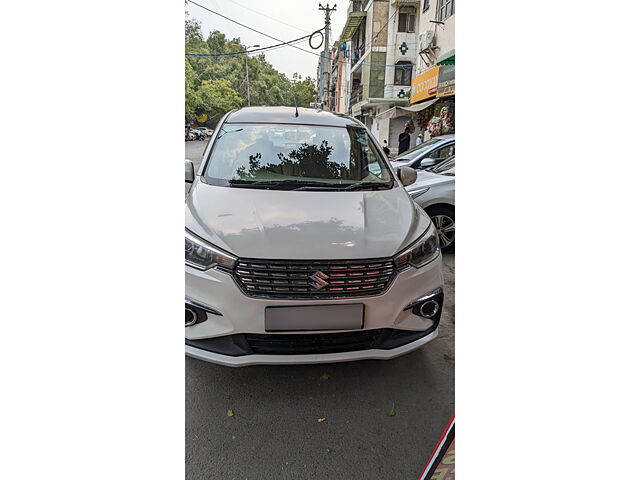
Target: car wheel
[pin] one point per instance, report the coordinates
(443, 217)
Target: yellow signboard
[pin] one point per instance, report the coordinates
(425, 85)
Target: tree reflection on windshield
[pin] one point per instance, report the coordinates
(308, 161)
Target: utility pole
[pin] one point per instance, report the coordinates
(246, 69)
(326, 70)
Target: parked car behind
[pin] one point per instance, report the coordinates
(207, 132)
(427, 154)
(302, 245)
(434, 191)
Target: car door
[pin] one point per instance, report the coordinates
(435, 156)
(444, 152)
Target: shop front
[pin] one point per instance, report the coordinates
(443, 120)
(433, 101)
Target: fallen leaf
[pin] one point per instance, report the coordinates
(392, 412)
(321, 420)
(324, 377)
(229, 413)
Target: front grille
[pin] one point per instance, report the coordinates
(314, 279)
(286, 344)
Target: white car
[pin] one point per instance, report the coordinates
(191, 135)
(302, 245)
(428, 154)
(205, 131)
(435, 191)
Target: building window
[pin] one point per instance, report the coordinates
(407, 20)
(447, 8)
(403, 73)
(425, 5)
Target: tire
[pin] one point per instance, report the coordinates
(443, 216)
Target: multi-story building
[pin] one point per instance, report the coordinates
(379, 45)
(384, 47)
(433, 87)
(340, 68)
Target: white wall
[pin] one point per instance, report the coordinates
(445, 34)
(394, 55)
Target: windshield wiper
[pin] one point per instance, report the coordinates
(225, 132)
(281, 184)
(367, 186)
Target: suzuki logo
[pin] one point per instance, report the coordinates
(318, 280)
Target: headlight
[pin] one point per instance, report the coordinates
(201, 255)
(421, 252)
(417, 192)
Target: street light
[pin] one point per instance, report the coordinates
(246, 67)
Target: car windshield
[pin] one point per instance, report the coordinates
(417, 150)
(445, 168)
(296, 157)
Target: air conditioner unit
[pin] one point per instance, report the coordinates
(425, 40)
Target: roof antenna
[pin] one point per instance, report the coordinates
(295, 97)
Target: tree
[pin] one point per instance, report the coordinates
(190, 92)
(204, 92)
(216, 98)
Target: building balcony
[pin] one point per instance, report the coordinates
(356, 96)
(354, 19)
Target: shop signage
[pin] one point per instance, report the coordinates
(425, 85)
(447, 81)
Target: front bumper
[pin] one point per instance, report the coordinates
(237, 314)
(258, 359)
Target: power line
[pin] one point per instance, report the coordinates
(267, 16)
(283, 43)
(250, 28)
(271, 47)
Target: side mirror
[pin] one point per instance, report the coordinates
(426, 163)
(407, 176)
(189, 174)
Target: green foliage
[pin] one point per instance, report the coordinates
(215, 85)
(216, 98)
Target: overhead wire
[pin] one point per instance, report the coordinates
(267, 16)
(251, 28)
(245, 52)
(283, 43)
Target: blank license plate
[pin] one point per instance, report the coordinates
(314, 317)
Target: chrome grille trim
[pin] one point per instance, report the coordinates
(290, 279)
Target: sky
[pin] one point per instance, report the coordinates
(290, 19)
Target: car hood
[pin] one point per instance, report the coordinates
(426, 179)
(304, 225)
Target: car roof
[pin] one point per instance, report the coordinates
(306, 116)
(448, 136)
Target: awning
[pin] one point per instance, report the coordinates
(419, 106)
(398, 111)
(390, 113)
(447, 58)
(376, 101)
(353, 22)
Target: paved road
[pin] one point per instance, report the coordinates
(274, 433)
(193, 151)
